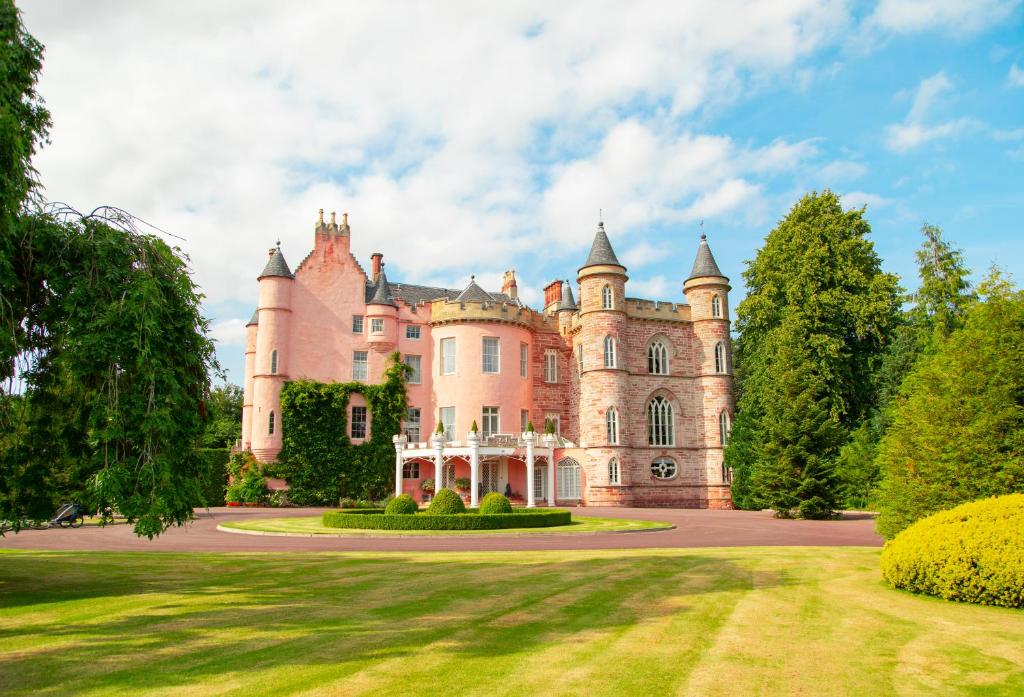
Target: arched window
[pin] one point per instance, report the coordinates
(613, 426)
(270, 424)
(606, 297)
(569, 480)
(664, 468)
(273, 362)
(579, 357)
(721, 366)
(613, 471)
(723, 428)
(716, 306)
(659, 422)
(609, 352)
(657, 359)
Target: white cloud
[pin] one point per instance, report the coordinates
(641, 254)
(655, 288)
(229, 332)
(953, 16)
(859, 199)
(1016, 76)
(842, 170)
(914, 132)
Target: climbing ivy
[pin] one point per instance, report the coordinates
(319, 461)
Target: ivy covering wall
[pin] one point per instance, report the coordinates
(319, 461)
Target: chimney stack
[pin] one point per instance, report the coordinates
(508, 284)
(376, 259)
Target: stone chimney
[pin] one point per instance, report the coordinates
(376, 260)
(552, 294)
(508, 284)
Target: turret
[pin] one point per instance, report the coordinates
(251, 329)
(382, 313)
(272, 358)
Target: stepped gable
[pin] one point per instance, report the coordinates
(704, 264)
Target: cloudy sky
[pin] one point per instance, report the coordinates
(467, 137)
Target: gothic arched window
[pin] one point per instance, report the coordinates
(716, 306)
(273, 362)
(659, 422)
(609, 352)
(613, 471)
(606, 297)
(657, 359)
(721, 366)
(723, 428)
(612, 420)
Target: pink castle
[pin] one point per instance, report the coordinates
(637, 392)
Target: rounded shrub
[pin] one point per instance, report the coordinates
(972, 553)
(446, 502)
(495, 503)
(401, 505)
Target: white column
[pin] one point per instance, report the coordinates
(399, 442)
(531, 500)
(438, 440)
(549, 442)
(474, 469)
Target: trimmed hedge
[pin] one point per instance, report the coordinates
(215, 474)
(446, 502)
(521, 518)
(495, 503)
(972, 553)
(402, 505)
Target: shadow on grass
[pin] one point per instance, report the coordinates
(110, 622)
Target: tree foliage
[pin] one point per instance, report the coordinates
(818, 315)
(223, 417)
(957, 429)
(319, 461)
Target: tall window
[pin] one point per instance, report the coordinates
(524, 419)
(412, 331)
(555, 422)
(447, 417)
(579, 357)
(357, 324)
(490, 421)
(664, 468)
(415, 363)
(359, 371)
(491, 351)
(716, 306)
(613, 471)
(612, 420)
(720, 363)
(358, 426)
(411, 470)
(659, 422)
(606, 297)
(550, 366)
(376, 325)
(723, 428)
(524, 360)
(609, 352)
(412, 424)
(447, 356)
(273, 362)
(657, 359)
(270, 424)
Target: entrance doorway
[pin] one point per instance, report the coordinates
(568, 479)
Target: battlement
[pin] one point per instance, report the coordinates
(445, 311)
(657, 309)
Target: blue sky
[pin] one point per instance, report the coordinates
(470, 139)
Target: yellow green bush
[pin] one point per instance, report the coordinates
(972, 553)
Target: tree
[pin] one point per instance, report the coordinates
(223, 417)
(957, 430)
(817, 317)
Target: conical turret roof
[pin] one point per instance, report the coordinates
(474, 293)
(566, 302)
(276, 265)
(704, 264)
(601, 252)
(255, 318)
(382, 292)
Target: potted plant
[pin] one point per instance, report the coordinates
(462, 484)
(427, 486)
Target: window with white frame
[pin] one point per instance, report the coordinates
(447, 356)
(359, 369)
(490, 419)
(491, 354)
(551, 365)
(716, 306)
(412, 424)
(609, 352)
(447, 418)
(358, 423)
(612, 421)
(606, 297)
(270, 424)
(412, 331)
(524, 360)
(376, 325)
(657, 358)
(415, 364)
(659, 422)
(273, 362)
(664, 468)
(723, 428)
(721, 366)
(613, 471)
(579, 357)
(555, 422)
(524, 420)
(411, 470)
(357, 324)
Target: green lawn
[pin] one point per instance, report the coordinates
(312, 525)
(771, 621)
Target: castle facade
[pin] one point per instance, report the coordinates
(632, 398)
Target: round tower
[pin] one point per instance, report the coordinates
(251, 330)
(707, 292)
(271, 357)
(381, 314)
(604, 379)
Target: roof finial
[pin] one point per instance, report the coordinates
(703, 236)
(279, 244)
(472, 278)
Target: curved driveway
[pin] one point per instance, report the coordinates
(694, 528)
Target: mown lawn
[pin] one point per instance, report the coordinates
(313, 525)
(742, 621)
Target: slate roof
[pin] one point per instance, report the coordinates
(473, 293)
(382, 292)
(416, 295)
(566, 302)
(277, 266)
(704, 264)
(601, 251)
(255, 318)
